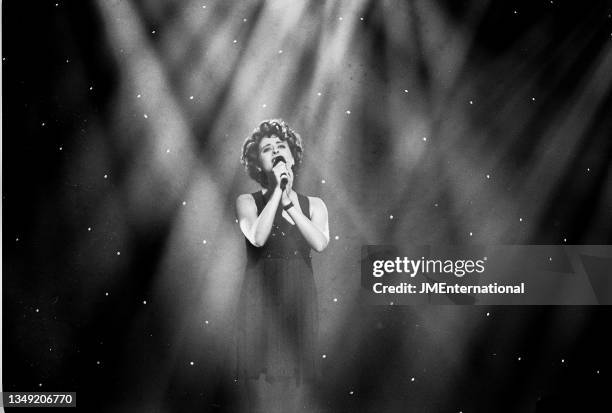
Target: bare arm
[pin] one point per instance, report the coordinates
(315, 230)
(256, 228)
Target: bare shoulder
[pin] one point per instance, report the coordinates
(317, 204)
(245, 198)
(245, 201)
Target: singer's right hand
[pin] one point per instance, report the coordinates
(280, 170)
(288, 195)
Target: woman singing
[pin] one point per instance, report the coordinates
(277, 317)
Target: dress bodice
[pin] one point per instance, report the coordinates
(285, 240)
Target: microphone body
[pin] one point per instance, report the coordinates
(284, 179)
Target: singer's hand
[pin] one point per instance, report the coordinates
(289, 194)
(280, 171)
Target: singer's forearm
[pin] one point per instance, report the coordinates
(263, 224)
(315, 237)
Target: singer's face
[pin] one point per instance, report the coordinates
(270, 148)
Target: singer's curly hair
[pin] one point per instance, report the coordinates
(250, 148)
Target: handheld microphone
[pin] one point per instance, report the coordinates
(284, 179)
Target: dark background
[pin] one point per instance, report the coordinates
(62, 333)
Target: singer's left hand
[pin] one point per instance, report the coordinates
(289, 195)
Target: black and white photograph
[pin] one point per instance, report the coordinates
(317, 206)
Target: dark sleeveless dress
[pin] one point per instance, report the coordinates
(277, 318)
